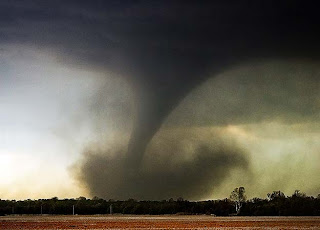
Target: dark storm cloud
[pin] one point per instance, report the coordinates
(164, 49)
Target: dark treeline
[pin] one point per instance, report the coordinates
(276, 204)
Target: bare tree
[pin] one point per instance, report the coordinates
(238, 197)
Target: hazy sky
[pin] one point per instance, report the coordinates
(39, 100)
(157, 100)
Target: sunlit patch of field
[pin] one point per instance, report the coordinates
(156, 222)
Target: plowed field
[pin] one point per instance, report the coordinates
(157, 222)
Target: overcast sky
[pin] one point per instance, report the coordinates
(144, 100)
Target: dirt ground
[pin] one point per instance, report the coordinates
(156, 222)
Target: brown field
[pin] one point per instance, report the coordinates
(156, 222)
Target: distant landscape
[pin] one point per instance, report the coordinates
(276, 204)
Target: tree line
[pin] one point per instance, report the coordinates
(276, 204)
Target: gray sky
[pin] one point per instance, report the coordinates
(97, 97)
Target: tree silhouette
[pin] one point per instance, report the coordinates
(238, 197)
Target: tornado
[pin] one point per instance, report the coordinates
(164, 50)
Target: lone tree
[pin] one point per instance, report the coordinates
(238, 197)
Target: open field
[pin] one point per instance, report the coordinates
(156, 222)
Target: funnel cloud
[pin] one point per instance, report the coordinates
(165, 52)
